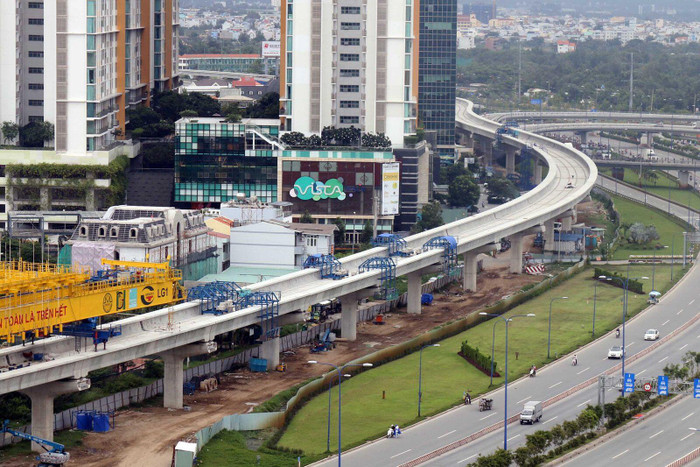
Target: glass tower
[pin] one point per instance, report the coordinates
(437, 72)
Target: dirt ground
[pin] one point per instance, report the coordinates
(146, 436)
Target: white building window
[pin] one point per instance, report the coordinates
(133, 233)
(102, 232)
(83, 231)
(311, 240)
(114, 232)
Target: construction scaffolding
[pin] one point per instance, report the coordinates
(387, 278)
(449, 258)
(393, 242)
(329, 266)
(217, 297)
(269, 310)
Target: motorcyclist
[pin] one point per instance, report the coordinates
(533, 371)
(574, 362)
(617, 332)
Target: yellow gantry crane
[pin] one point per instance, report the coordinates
(37, 299)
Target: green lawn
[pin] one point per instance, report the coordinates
(367, 414)
(663, 186)
(631, 212)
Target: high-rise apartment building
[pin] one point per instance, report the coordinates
(437, 73)
(80, 64)
(350, 63)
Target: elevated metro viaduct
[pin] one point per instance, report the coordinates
(182, 330)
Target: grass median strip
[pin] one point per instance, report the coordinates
(367, 413)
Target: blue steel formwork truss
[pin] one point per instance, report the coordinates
(394, 243)
(387, 278)
(269, 310)
(214, 293)
(329, 266)
(449, 258)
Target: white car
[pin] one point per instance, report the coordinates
(615, 352)
(651, 335)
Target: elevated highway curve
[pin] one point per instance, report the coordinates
(503, 117)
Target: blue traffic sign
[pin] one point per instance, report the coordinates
(536, 101)
(629, 383)
(696, 388)
(662, 386)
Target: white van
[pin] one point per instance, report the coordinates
(532, 412)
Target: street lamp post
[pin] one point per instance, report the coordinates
(493, 346)
(625, 284)
(340, 380)
(549, 328)
(420, 373)
(328, 436)
(505, 402)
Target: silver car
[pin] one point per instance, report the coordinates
(651, 335)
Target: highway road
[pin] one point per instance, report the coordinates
(675, 309)
(658, 440)
(583, 115)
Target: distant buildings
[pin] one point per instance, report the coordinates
(564, 47)
(236, 63)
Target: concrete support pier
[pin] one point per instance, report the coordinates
(566, 222)
(470, 266)
(516, 253)
(415, 288)
(348, 317)
(270, 350)
(549, 235)
(510, 160)
(173, 373)
(684, 178)
(42, 398)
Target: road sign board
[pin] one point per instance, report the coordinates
(696, 388)
(629, 383)
(647, 387)
(662, 386)
(536, 101)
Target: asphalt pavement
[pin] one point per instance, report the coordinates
(675, 309)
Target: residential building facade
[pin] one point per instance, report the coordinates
(81, 64)
(349, 63)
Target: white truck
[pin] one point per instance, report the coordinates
(532, 412)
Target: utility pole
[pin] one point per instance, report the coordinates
(631, 81)
(652, 101)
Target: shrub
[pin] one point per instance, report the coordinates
(483, 362)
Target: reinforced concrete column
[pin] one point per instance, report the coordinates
(270, 350)
(583, 135)
(413, 304)
(516, 253)
(470, 271)
(538, 173)
(683, 178)
(173, 372)
(42, 398)
(549, 235)
(566, 222)
(348, 317)
(510, 160)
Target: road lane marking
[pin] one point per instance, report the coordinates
(623, 452)
(679, 312)
(640, 372)
(686, 345)
(523, 400)
(656, 434)
(488, 416)
(687, 436)
(446, 434)
(687, 417)
(550, 420)
(555, 385)
(465, 460)
(401, 453)
(587, 368)
(663, 359)
(652, 456)
(691, 302)
(584, 403)
(513, 437)
(665, 322)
